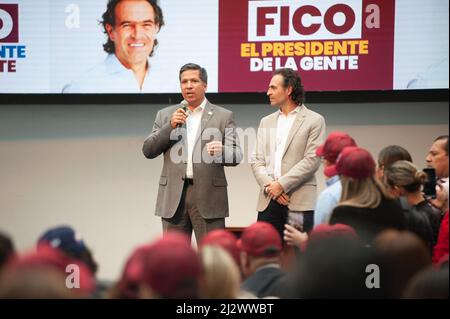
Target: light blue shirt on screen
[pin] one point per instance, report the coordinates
(111, 76)
(327, 200)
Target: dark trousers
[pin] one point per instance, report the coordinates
(277, 215)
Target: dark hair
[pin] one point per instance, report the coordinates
(404, 255)
(334, 268)
(292, 79)
(441, 138)
(428, 284)
(109, 17)
(6, 248)
(86, 257)
(391, 154)
(193, 66)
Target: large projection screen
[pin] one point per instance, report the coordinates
(336, 45)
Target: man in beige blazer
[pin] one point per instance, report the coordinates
(284, 162)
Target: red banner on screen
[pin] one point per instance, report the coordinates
(335, 45)
(9, 23)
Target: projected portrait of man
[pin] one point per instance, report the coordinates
(131, 27)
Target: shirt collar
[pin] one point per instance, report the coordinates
(332, 180)
(201, 107)
(114, 65)
(296, 110)
(272, 265)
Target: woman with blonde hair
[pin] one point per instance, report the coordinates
(365, 205)
(221, 276)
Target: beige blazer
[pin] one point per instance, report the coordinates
(299, 162)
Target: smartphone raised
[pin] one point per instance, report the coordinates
(296, 220)
(429, 188)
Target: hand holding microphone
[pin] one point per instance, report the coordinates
(180, 115)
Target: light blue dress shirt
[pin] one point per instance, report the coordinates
(327, 200)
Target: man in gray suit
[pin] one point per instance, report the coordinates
(197, 139)
(285, 162)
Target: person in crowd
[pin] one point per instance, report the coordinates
(168, 268)
(336, 266)
(222, 277)
(404, 255)
(404, 182)
(429, 284)
(365, 204)
(46, 272)
(440, 251)
(67, 240)
(388, 156)
(437, 157)
(224, 239)
(7, 249)
(329, 197)
(260, 246)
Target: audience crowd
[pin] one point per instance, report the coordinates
(376, 235)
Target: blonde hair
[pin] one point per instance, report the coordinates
(222, 278)
(406, 175)
(364, 192)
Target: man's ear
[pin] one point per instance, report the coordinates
(289, 90)
(109, 30)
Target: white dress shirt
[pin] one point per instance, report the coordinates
(192, 127)
(111, 76)
(284, 125)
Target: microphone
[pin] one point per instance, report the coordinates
(184, 105)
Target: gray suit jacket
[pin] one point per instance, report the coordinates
(299, 162)
(210, 184)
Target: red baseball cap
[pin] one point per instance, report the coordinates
(355, 162)
(224, 239)
(260, 239)
(330, 150)
(171, 267)
(132, 273)
(162, 265)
